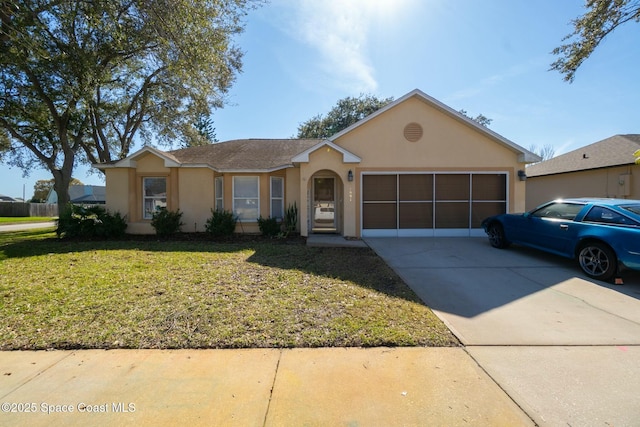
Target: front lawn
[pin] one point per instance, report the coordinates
(5, 220)
(201, 294)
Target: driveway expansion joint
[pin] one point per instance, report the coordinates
(35, 375)
(273, 384)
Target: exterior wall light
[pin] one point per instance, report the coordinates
(350, 176)
(522, 175)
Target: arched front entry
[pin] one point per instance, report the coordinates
(325, 203)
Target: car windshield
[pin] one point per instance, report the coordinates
(632, 208)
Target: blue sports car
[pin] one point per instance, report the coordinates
(602, 234)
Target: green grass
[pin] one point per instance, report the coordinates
(19, 220)
(201, 294)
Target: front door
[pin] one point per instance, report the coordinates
(324, 205)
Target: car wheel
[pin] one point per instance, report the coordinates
(496, 236)
(598, 261)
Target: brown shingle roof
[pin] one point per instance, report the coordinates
(614, 151)
(245, 154)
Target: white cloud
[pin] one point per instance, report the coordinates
(339, 31)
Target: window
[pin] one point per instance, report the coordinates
(219, 194)
(246, 197)
(154, 195)
(277, 197)
(632, 208)
(607, 216)
(565, 211)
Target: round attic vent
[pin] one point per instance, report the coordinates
(413, 132)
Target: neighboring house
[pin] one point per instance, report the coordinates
(4, 198)
(603, 169)
(82, 195)
(414, 168)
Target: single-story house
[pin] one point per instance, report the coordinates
(416, 167)
(603, 169)
(82, 195)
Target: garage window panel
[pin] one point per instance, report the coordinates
(452, 187)
(489, 192)
(379, 188)
(452, 215)
(489, 187)
(482, 210)
(379, 216)
(416, 187)
(416, 215)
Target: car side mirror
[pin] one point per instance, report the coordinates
(526, 215)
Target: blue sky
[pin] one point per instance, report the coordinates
(490, 57)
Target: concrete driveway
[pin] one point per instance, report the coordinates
(564, 347)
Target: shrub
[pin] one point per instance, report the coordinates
(166, 222)
(290, 222)
(269, 226)
(221, 223)
(93, 221)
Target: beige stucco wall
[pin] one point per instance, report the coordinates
(446, 142)
(328, 162)
(195, 197)
(117, 187)
(446, 145)
(618, 182)
(191, 190)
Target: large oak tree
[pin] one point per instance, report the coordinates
(82, 80)
(346, 112)
(600, 19)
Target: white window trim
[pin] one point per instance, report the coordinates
(233, 181)
(273, 199)
(217, 196)
(145, 198)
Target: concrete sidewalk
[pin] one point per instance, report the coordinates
(255, 387)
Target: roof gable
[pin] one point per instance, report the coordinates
(524, 156)
(614, 151)
(347, 156)
(131, 161)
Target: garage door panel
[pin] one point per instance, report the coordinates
(379, 188)
(452, 215)
(452, 187)
(489, 187)
(416, 187)
(416, 215)
(482, 210)
(379, 216)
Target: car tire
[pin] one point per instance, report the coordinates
(496, 236)
(598, 261)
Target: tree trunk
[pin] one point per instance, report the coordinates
(62, 180)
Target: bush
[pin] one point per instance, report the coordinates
(166, 222)
(290, 222)
(269, 226)
(221, 223)
(87, 222)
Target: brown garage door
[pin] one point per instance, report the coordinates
(424, 204)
